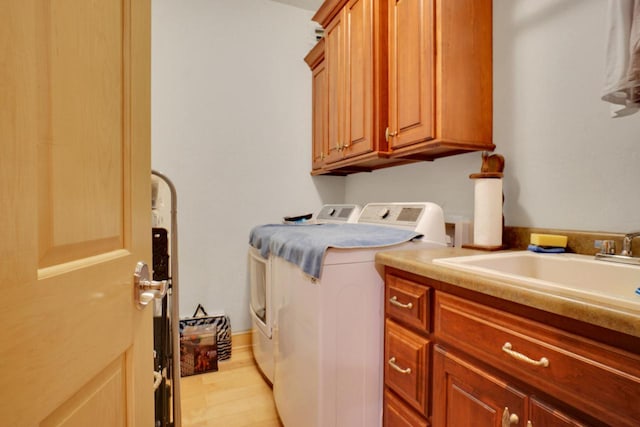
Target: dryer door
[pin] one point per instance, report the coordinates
(260, 284)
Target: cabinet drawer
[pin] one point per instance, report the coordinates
(592, 377)
(397, 414)
(408, 302)
(406, 366)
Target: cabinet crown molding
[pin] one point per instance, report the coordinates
(315, 55)
(327, 11)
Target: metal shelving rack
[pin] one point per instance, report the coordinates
(166, 315)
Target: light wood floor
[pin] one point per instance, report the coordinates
(234, 396)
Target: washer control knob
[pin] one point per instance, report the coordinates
(331, 212)
(383, 213)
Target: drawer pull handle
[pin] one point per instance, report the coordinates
(507, 348)
(394, 300)
(392, 363)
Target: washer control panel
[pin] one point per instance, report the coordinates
(338, 213)
(423, 217)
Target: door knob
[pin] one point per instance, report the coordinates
(145, 289)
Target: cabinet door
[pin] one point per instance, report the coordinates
(335, 60)
(411, 71)
(465, 395)
(320, 144)
(543, 415)
(359, 78)
(465, 76)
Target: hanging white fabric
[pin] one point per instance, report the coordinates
(622, 67)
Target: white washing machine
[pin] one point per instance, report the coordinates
(260, 277)
(329, 331)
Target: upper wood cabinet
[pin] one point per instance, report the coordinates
(440, 77)
(406, 80)
(411, 72)
(320, 106)
(335, 57)
(355, 55)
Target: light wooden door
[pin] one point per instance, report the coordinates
(74, 213)
(411, 71)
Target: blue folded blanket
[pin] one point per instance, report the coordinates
(305, 245)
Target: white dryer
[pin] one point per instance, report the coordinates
(260, 278)
(329, 331)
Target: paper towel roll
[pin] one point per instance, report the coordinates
(487, 221)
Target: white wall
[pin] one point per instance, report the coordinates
(231, 102)
(231, 127)
(568, 164)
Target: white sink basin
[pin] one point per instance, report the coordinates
(571, 275)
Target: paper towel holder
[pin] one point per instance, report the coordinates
(492, 168)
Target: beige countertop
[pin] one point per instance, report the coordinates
(420, 262)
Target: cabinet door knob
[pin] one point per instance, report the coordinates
(388, 134)
(509, 419)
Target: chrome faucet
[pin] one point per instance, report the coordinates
(607, 252)
(626, 243)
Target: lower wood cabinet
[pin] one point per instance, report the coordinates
(478, 361)
(398, 414)
(466, 395)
